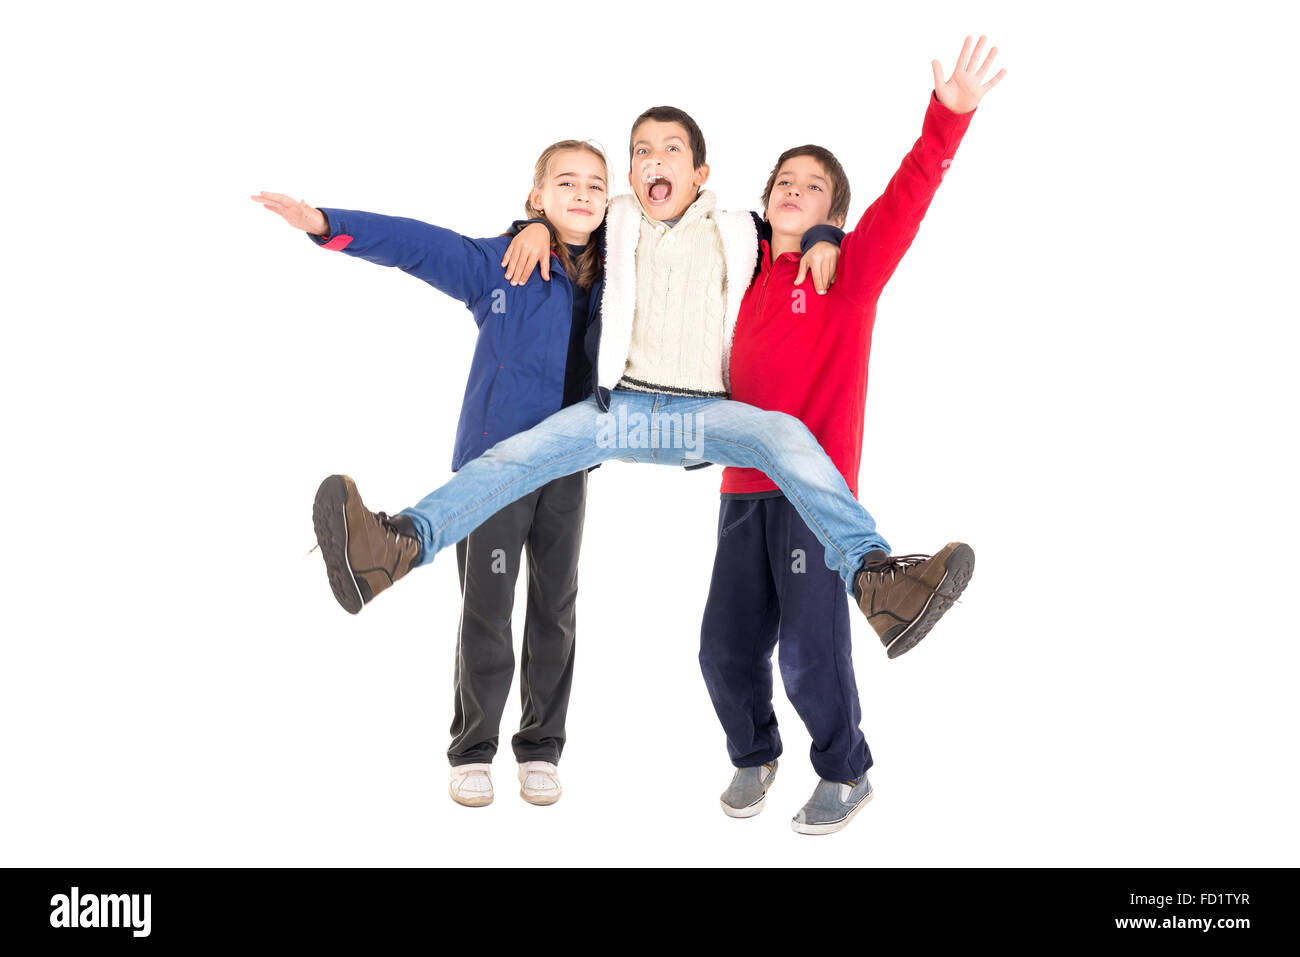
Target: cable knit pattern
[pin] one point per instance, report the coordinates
(676, 342)
(680, 290)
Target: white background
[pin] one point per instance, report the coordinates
(1082, 367)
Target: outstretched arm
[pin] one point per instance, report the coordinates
(886, 230)
(448, 261)
(295, 212)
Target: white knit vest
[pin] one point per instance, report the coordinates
(622, 296)
(677, 335)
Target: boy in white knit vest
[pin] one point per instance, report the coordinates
(676, 266)
(676, 269)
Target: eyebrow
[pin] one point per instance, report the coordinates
(577, 175)
(672, 136)
(786, 172)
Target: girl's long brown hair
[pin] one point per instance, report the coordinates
(583, 270)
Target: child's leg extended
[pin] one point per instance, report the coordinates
(733, 433)
(365, 552)
(569, 441)
(902, 596)
(562, 444)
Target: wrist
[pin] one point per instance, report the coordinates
(823, 232)
(521, 224)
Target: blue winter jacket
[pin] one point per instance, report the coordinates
(516, 378)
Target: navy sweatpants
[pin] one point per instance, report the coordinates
(770, 586)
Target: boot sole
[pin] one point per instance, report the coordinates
(332, 535)
(956, 576)
(835, 825)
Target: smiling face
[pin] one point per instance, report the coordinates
(663, 174)
(801, 197)
(573, 194)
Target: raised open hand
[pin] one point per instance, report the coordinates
(296, 212)
(963, 91)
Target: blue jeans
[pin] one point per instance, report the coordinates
(664, 430)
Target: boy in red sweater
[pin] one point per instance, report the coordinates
(806, 354)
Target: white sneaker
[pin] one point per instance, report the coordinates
(471, 784)
(539, 782)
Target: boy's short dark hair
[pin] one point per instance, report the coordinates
(834, 172)
(670, 114)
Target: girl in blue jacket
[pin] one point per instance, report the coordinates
(535, 354)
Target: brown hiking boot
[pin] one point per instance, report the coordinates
(364, 551)
(904, 595)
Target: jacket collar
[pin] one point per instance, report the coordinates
(766, 255)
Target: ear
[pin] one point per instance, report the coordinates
(839, 223)
(535, 198)
(701, 174)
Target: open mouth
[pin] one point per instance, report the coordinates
(658, 189)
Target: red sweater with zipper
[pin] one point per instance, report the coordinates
(797, 352)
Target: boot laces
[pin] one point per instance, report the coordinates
(390, 527)
(894, 565)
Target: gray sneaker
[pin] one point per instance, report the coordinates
(832, 806)
(744, 796)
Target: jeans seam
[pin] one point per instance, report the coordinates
(844, 559)
(497, 491)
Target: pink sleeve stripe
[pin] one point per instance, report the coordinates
(338, 242)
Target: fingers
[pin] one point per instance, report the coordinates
(546, 266)
(975, 56)
(937, 67)
(803, 271)
(993, 82)
(516, 254)
(279, 198)
(274, 205)
(963, 58)
(525, 271)
(988, 62)
(527, 262)
(823, 276)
